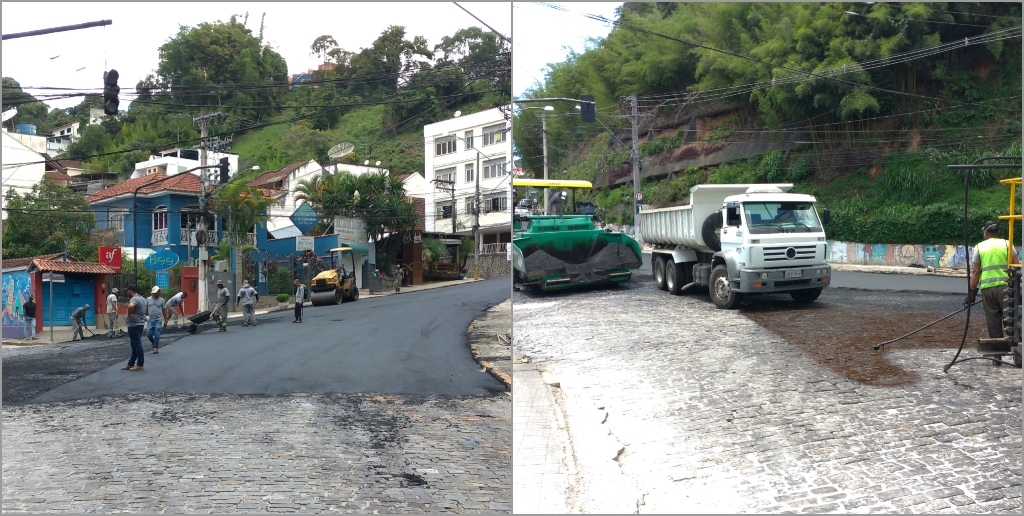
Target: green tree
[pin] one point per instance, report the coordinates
(201, 66)
(243, 205)
(49, 219)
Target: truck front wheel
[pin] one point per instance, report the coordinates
(659, 271)
(722, 294)
(806, 296)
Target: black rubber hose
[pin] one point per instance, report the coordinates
(890, 341)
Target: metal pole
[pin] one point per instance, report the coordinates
(544, 134)
(635, 121)
(64, 28)
(476, 219)
(203, 292)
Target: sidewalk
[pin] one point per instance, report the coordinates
(541, 481)
(64, 333)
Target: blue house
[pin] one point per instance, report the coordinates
(168, 216)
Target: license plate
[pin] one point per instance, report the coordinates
(794, 274)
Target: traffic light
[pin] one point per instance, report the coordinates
(223, 171)
(110, 91)
(588, 110)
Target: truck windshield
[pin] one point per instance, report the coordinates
(781, 217)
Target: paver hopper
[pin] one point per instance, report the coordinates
(557, 251)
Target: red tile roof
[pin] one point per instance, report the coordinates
(270, 178)
(57, 177)
(402, 177)
(182, 183)
(71, 267)
(25, 262)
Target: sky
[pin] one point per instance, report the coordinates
(542, 35)
(78, 58)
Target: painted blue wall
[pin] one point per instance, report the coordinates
(174, 202)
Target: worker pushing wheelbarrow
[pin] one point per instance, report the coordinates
(201, 317)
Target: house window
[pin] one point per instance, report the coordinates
(444, 146)
(495, 204)
(160, 218)
(494, 134)
(469, 205)
(469, 173)
(115, 218)
(445, 174)
(443, 211)
(468, 137)
(494, 168)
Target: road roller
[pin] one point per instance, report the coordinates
(337, 284)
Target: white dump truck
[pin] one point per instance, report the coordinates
(739, 240)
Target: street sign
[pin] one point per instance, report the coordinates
(303, 243)
(639, 196)
(55, 278)
(304, 218)
(163, 278)
(161, 261)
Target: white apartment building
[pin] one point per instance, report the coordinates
(459, 152)
(173, 161)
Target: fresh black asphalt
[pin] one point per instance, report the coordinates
(412, 344)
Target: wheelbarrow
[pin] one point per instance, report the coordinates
(200, 318)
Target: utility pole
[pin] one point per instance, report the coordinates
(204, 196)
(448, 186)
(634, 119)
(476, 219)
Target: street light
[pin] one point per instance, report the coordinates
(544, 139)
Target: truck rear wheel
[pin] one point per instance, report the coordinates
(806, 295)
(673, 278)
(722, 294)
(658, 264)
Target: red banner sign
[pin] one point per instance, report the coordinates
(111, 257)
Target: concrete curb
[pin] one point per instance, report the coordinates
(891, 269)
(500, 375)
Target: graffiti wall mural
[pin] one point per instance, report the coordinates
(944, 256)
(16, 288)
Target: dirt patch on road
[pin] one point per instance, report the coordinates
(841, 338)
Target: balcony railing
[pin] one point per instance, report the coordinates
(187, 237)
(159, 237)
(501, 248)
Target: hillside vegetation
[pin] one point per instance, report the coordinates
(898, 92)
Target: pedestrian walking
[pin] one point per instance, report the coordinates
(78, 320)
(176, 307)
(989, 263)
(300, 296)
(30, 317)
(248, 298)
(223, 296)
(133, 319)
(112, 312)
(156, 310)
(399, 275)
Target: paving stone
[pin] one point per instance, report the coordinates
(691, 392)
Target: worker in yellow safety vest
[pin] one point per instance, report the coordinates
(989, 263)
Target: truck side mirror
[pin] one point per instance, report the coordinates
(826, 216)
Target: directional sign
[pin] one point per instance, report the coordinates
(305, 218)
(161, 261)
(55, 278)
(163, 278)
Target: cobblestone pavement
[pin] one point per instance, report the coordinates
(173, 453)
(672, 405)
